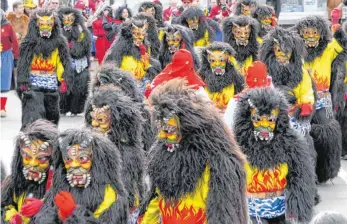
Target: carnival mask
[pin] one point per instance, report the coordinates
(169, 131)
(78, 164)
(281, 56)
(139, 34)
(173, 41)
(149, 11)
(68, 21)
(266, 22)
(241, 34)
(193, 23)
(311, 36)
(45, 24)
(264, 125)
(36, 155)
(217, 60)
(101, 119)
(246, 10)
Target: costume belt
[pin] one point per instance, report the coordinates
(40, 72)
(80, 64)
(324, 101)
(43, 80)
(265, 194)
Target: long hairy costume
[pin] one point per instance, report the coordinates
(152, 33)
(105, 170)
(206, 141)
(285, 147)
(126, 130)
(245, 2)
(109, 74)
(243, 52)
(123, 46)
(158, 12)
(260, 11)
(74, 101)
(16, 184)
(192, 12)
(217, 83)
(187, 42)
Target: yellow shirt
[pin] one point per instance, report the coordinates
(303, 91)
(110, 197)
(161, 34)
(189, 209)
(204, 41)
(243, 66)
(135, 66)
(320, 67)
(10, 210)
(221, 99)
(259, 40)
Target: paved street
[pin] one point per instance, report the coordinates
(333, 194)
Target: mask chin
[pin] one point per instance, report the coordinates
(218, 71)
(45, 33)
(311, 43)
(263, 134)
(68, 28)
(34, 175)
(173, 49)
(241, 42)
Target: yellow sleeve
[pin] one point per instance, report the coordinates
(334, 48)
(59, 68)
(260, 40)
(207, 38)
(10, 211)
(81, 37)
(152, 214)
(128, 64)
(110, 197)
(304, 92)
(161, 35)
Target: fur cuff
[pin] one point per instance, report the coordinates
(340, 36)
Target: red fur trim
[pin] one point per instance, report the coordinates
(49, 179)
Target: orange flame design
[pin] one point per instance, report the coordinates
(40, 64)
(322, 83)
(267, 181)
(221, 100)
(171, 214)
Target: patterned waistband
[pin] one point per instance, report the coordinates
(324, 101)
(44, 81)
(266, 207)
(80, 64)
(301, 126)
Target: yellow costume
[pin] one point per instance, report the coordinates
(243, 66)
(204, 41)
(137, 67)
(11, 210)
(221, 99)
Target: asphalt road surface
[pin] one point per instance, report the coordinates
(333, 193)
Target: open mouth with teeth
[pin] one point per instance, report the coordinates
(242, 41)
(194, 26)
(45, 33)
(218, 71)
(34, 175)
(263, 134)
(311, 42)
(68, 27)
(283, 60)
(173, 48)
(78, 180)
(170, 134)
(138, 42)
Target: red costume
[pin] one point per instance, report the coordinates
(217, 10)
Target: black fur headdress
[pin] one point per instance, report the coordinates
(245, 2)
(77, 26)
(243, 52)
(158, 12)
(261, 11)
(232, 76)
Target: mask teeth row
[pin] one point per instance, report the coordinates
(86, 177)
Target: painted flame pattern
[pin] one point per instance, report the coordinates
(40, 64)
(221, 99)
(172, 214)
(322, 82)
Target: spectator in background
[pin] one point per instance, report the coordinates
(219, 11)
(9, 51)
(19, 21)
(4, 5)
(169, 11)
(53, 4)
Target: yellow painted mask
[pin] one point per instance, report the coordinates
(139, 34)
(78, 164)
(173, 41)
(149, 11)
(45, 24)
(246, 10)
(266, 22)
(193, 23)
(281, 56)
(36, 155)
(264, 124)
(68, 21)
(218, 61)
(241, 34)
(311, 36)
(170, 131)
(101, 119)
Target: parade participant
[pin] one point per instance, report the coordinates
(4, 5)
(31, 176)
(219, 11)
(245, 7)
(222, 78)
(241, 33)
(177, 37)
(44, 66)
(195, 168)
(130, 52)
(9, 52)
(112, 113)
(321, 53)
(87, 185)
(194, 19)
(109, 75)
(169, 12)
(280, 179)
(79, 39)
(266, 17)
(155, 10)
(111, 24)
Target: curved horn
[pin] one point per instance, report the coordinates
(208, 51)
(134, 25)
(234, 24)
(37, 16)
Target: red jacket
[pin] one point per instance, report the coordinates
(9, 40)
(217, 10)
(167, 14)
(101, 40)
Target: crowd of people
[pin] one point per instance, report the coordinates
(194, 115)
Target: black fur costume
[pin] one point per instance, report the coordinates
(16, 183)
(125, 133)
(285, 147)
(110, 75)
(245, 2)
(216, 83)
(261, 11)
(242, 52)
(204, 26)
(41, 103)
(105, 171)
(158, 12)
(165, 56)
(123, 46)
(152, 33)
(80, 50)
(206, 143)
(326, 131)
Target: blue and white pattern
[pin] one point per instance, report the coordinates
(267, 207)
(44, 81)
(302, 127)
(324, 101)
(80, 64)
(143, 84)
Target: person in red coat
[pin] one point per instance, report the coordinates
(167, 13)
(220, 11)
(9, 52)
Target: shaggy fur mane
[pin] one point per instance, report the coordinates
(158, 12)
(77, 26)
(245, 2)
(262, 10)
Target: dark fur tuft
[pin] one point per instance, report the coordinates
(245, 2)
(158, 12)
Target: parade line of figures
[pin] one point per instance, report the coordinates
(154, 111)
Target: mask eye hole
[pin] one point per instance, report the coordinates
(256, 118)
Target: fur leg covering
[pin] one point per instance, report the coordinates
(64, 102)
(149, 132)
(33, 107)
(52, 107)
(327, 141)
(79, 92)
(343, 124)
